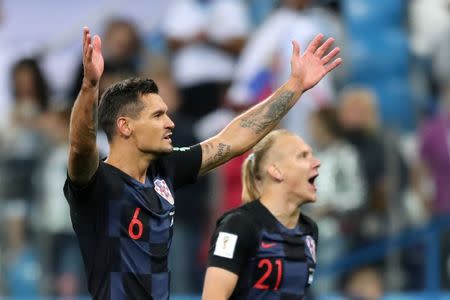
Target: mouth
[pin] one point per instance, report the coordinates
(168, 137)
(312, 181)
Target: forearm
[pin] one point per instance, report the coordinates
(248, 128)
(251, 126)
(219, 284)
(84, 120)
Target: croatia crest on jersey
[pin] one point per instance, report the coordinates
(163, 190)
(311, 246)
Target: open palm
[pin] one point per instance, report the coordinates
(311, 66)
(93, 62)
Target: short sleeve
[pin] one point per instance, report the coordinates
(184, 164)
(78, 195)
(233, 242)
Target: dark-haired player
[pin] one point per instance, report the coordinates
(122, 208)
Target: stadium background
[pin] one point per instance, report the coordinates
(383, 220)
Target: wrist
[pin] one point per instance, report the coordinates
(89, 84)
(294, 85)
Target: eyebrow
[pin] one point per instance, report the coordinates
(306, 151)
(158, 111)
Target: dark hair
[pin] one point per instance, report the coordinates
(123, 99)
(116, 23)
(41, 85)
(327, 115)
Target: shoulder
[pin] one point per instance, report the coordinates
(240, 219)
(240, 214)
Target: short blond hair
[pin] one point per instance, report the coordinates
(251, 168)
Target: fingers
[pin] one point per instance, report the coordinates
(315, 43)
(324, 48)
(327, 58)
(97, 43)
(295, 49)
(333, 65)
(89, 53)
(85, 42)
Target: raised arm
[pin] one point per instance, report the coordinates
(250, 127)
(83, 153)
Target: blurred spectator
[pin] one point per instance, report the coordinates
(22, 271)
(61, 256)
(429, 20)
(380, 160)
(340, 186)
(264, 63)
(122, 50)
(358, 117)
(22, 143)
(30, 91)
(434, 145)
(365, 283)
(441, 57)
(204, 44)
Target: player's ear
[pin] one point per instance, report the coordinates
(124, 126)
(275, 173)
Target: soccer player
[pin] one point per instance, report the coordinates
(122, 208)
(266, 249)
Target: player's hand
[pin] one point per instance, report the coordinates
(309, 68)
(93, 63)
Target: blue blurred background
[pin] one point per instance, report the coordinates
(380, 124)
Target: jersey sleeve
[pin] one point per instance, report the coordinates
(79, 195)
(233, 242)
(184, 164)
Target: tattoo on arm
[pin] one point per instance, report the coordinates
(258, 122)
(222, 151)
(215, 156)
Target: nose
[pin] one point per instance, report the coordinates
(317, 163)
(169, 123)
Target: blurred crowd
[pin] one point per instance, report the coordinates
(380, 126)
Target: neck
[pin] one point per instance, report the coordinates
(130, 161)
(285, 210)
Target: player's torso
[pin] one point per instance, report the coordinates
(138, 232)
(282, 267)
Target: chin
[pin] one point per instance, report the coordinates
(161, 151)
(311, 199)
(166, 150)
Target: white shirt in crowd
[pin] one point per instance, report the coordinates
(221, 20)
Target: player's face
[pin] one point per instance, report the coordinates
(152, 130)
(299, 167)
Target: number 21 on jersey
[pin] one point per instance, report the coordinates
(269, 274)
